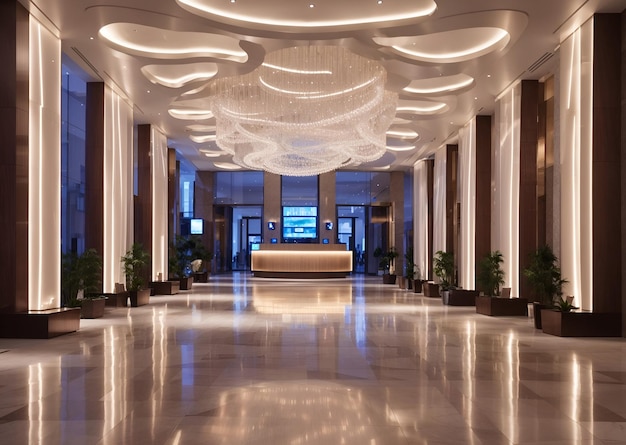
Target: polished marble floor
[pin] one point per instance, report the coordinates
(242, 360)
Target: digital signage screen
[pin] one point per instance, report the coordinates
(299, 223)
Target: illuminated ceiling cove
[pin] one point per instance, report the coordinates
(447, 60)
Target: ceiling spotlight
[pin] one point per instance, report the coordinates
(380, 2)
(311, 5)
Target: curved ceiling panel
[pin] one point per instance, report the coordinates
(405, 133)
(452, 46)
(160, 43)
(421, 108)
(177, 76)
(190, 114)
(313, 15)
(439, 85)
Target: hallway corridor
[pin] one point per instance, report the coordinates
(243, 360)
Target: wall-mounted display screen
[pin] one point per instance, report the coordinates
(196, 226)
(299, 224)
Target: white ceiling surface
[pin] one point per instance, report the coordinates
(461, 54)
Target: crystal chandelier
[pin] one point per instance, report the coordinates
(305, 111)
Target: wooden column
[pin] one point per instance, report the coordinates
(607, 221)
(204, 191)
(452, 169)
(396, 192)
(327, 206)
(173, 180)
(430, 165)
(272, 207)
(623, 170)
(483, 188)
(14, 156)
(529, 133)
(94, 167)
(143, 203)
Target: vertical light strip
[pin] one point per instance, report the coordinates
(467, 192)
(577, 164)
(159, 185)
(117, 192)
(420, 218)
(44, 189)
(505, 209)
(439, 201)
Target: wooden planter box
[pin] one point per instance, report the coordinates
(581, 324)
(497, 307)
(389, 279)
(165, 287)
(201, 277)
(431, 290)
(418, 286)
(462, 297)
(118, 299)
(185, 283)
(92, 307)
(139, 297)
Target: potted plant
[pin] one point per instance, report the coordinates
(135, 262)
(418, 283)
(389, 277)
(544, 278)
(443, 267)
(382, 260)
(81, 283)
(410, 269)
(490, 278)
(180, 262)
(200, 259)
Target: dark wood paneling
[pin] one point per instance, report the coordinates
(143, 233)
(483, 188)
(172, 194)
(14, 81)
(541, 165)
(94, 167)
(452, 157)
(528, 176)
(430, 178)
(606, 163)
(204, 192)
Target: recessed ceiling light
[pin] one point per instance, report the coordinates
(311, 5)
(488, 75)
(380, 2)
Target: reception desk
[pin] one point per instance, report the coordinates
(301, 261)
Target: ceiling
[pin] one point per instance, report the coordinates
(447, 59)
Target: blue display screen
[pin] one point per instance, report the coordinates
(299, 223)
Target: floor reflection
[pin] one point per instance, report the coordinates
(241, 360)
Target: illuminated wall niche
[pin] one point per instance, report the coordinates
(44, 194)
(505, 182)
(421, 252)
(439, 201)
(576, 100)
(158, 159)
(118, 203)
(467, 197)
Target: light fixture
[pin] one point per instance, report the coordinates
(305, 111)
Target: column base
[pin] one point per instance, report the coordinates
(40, 324)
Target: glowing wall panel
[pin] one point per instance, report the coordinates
(467, 197)
(421, 252)
(506, 180)
(576, 100)
(158, 159)
(118, 186)
(439, 201)
(44, 195)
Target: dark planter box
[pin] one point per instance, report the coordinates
(497, 307)
(431, 290)
(581, 324)
(185, 283)
(92, 307)
(418, 286)
(462, 297)
(201, 277)
(165, 287)
(389, 279)
(139, 297)
(118, 299)
(40, 324)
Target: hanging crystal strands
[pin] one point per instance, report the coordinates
(304, 111)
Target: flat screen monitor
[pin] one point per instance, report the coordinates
(299, 223)
(196, 226)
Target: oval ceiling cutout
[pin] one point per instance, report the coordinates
(160, 43)
(421, 108)
(452, 46)
(317, 15)
(439, 85)
(177, 76)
